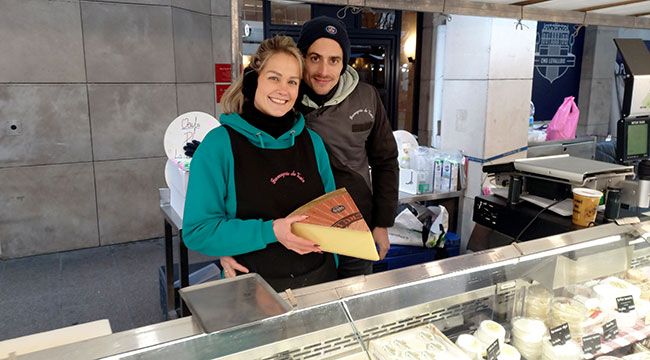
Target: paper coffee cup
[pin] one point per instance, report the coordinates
(585, 204)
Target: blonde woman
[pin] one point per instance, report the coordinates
(250, 173)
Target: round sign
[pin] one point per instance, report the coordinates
(190, 126)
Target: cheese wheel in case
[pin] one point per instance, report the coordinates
(471, 346)
(488, 331)
(527, 336)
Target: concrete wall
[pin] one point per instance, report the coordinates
(87, 89)
(599, 109)
(486, 94)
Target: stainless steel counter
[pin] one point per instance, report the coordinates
(338, 318)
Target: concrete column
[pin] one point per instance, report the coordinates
(598, 102)
(486, 94)
(222, 27)
(427, 77)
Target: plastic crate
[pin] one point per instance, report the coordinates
(400, 256)
(199, 272)
(452, 244)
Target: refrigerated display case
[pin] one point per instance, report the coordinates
(338, 320)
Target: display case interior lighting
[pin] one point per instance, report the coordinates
(150, 348)
(639, 240)
(569, 248)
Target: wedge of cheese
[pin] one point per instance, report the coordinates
(336, 224)
(359, 244)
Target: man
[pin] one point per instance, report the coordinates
(351, 119)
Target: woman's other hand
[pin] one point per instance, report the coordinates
(230, 266)
(282, 230)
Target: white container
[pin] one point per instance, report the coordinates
(508, 353)
(527, 337)
(611, 288)
(488, 331)
(177, 180)
(569, 351)
(471, 346)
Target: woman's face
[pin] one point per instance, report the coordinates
(277, 85)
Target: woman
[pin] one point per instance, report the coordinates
(250, 173)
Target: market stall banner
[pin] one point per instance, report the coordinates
(558, 60)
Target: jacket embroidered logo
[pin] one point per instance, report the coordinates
(362, 111)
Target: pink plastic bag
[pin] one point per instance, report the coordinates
(565, 121)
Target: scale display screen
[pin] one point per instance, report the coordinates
(637, 139)
(633, 140)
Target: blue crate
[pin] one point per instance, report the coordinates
(400, 256)
(452, 244)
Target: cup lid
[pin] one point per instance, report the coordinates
(588, 192)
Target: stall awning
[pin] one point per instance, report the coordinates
(617, 13)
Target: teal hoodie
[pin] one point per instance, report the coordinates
(209, 223)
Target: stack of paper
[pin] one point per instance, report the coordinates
(336, 224)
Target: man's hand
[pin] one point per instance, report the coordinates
(282, 230)
(380, 235)
(229, 266)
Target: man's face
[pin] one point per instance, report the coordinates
(323, 65)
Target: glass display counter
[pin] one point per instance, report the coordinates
(342, 319)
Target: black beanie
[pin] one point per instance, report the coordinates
(325, 27)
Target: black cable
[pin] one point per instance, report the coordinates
(535, 218)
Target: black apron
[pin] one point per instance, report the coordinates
(270, 184)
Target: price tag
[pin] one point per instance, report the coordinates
(625, 304)
(591, 343)
(610, 330)
(493, 350)
(560, 334)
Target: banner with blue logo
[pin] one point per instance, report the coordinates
(558, 60)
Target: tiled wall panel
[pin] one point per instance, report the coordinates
(46, 209)
(221, 7)
(128, 43)
(192, 47)
(144, 2)
(129, 121)
(506, 127)
(221, 44)
(128, 199)
(40, 41)
(43, 124)
(463, 116)
(514, 58)
(195, 97)
(467, 48)
(202, 6)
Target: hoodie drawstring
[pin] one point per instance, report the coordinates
(293, 137)
(259, 135)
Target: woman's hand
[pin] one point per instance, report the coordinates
(282, 230)
(229, 265)
(380, 235)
